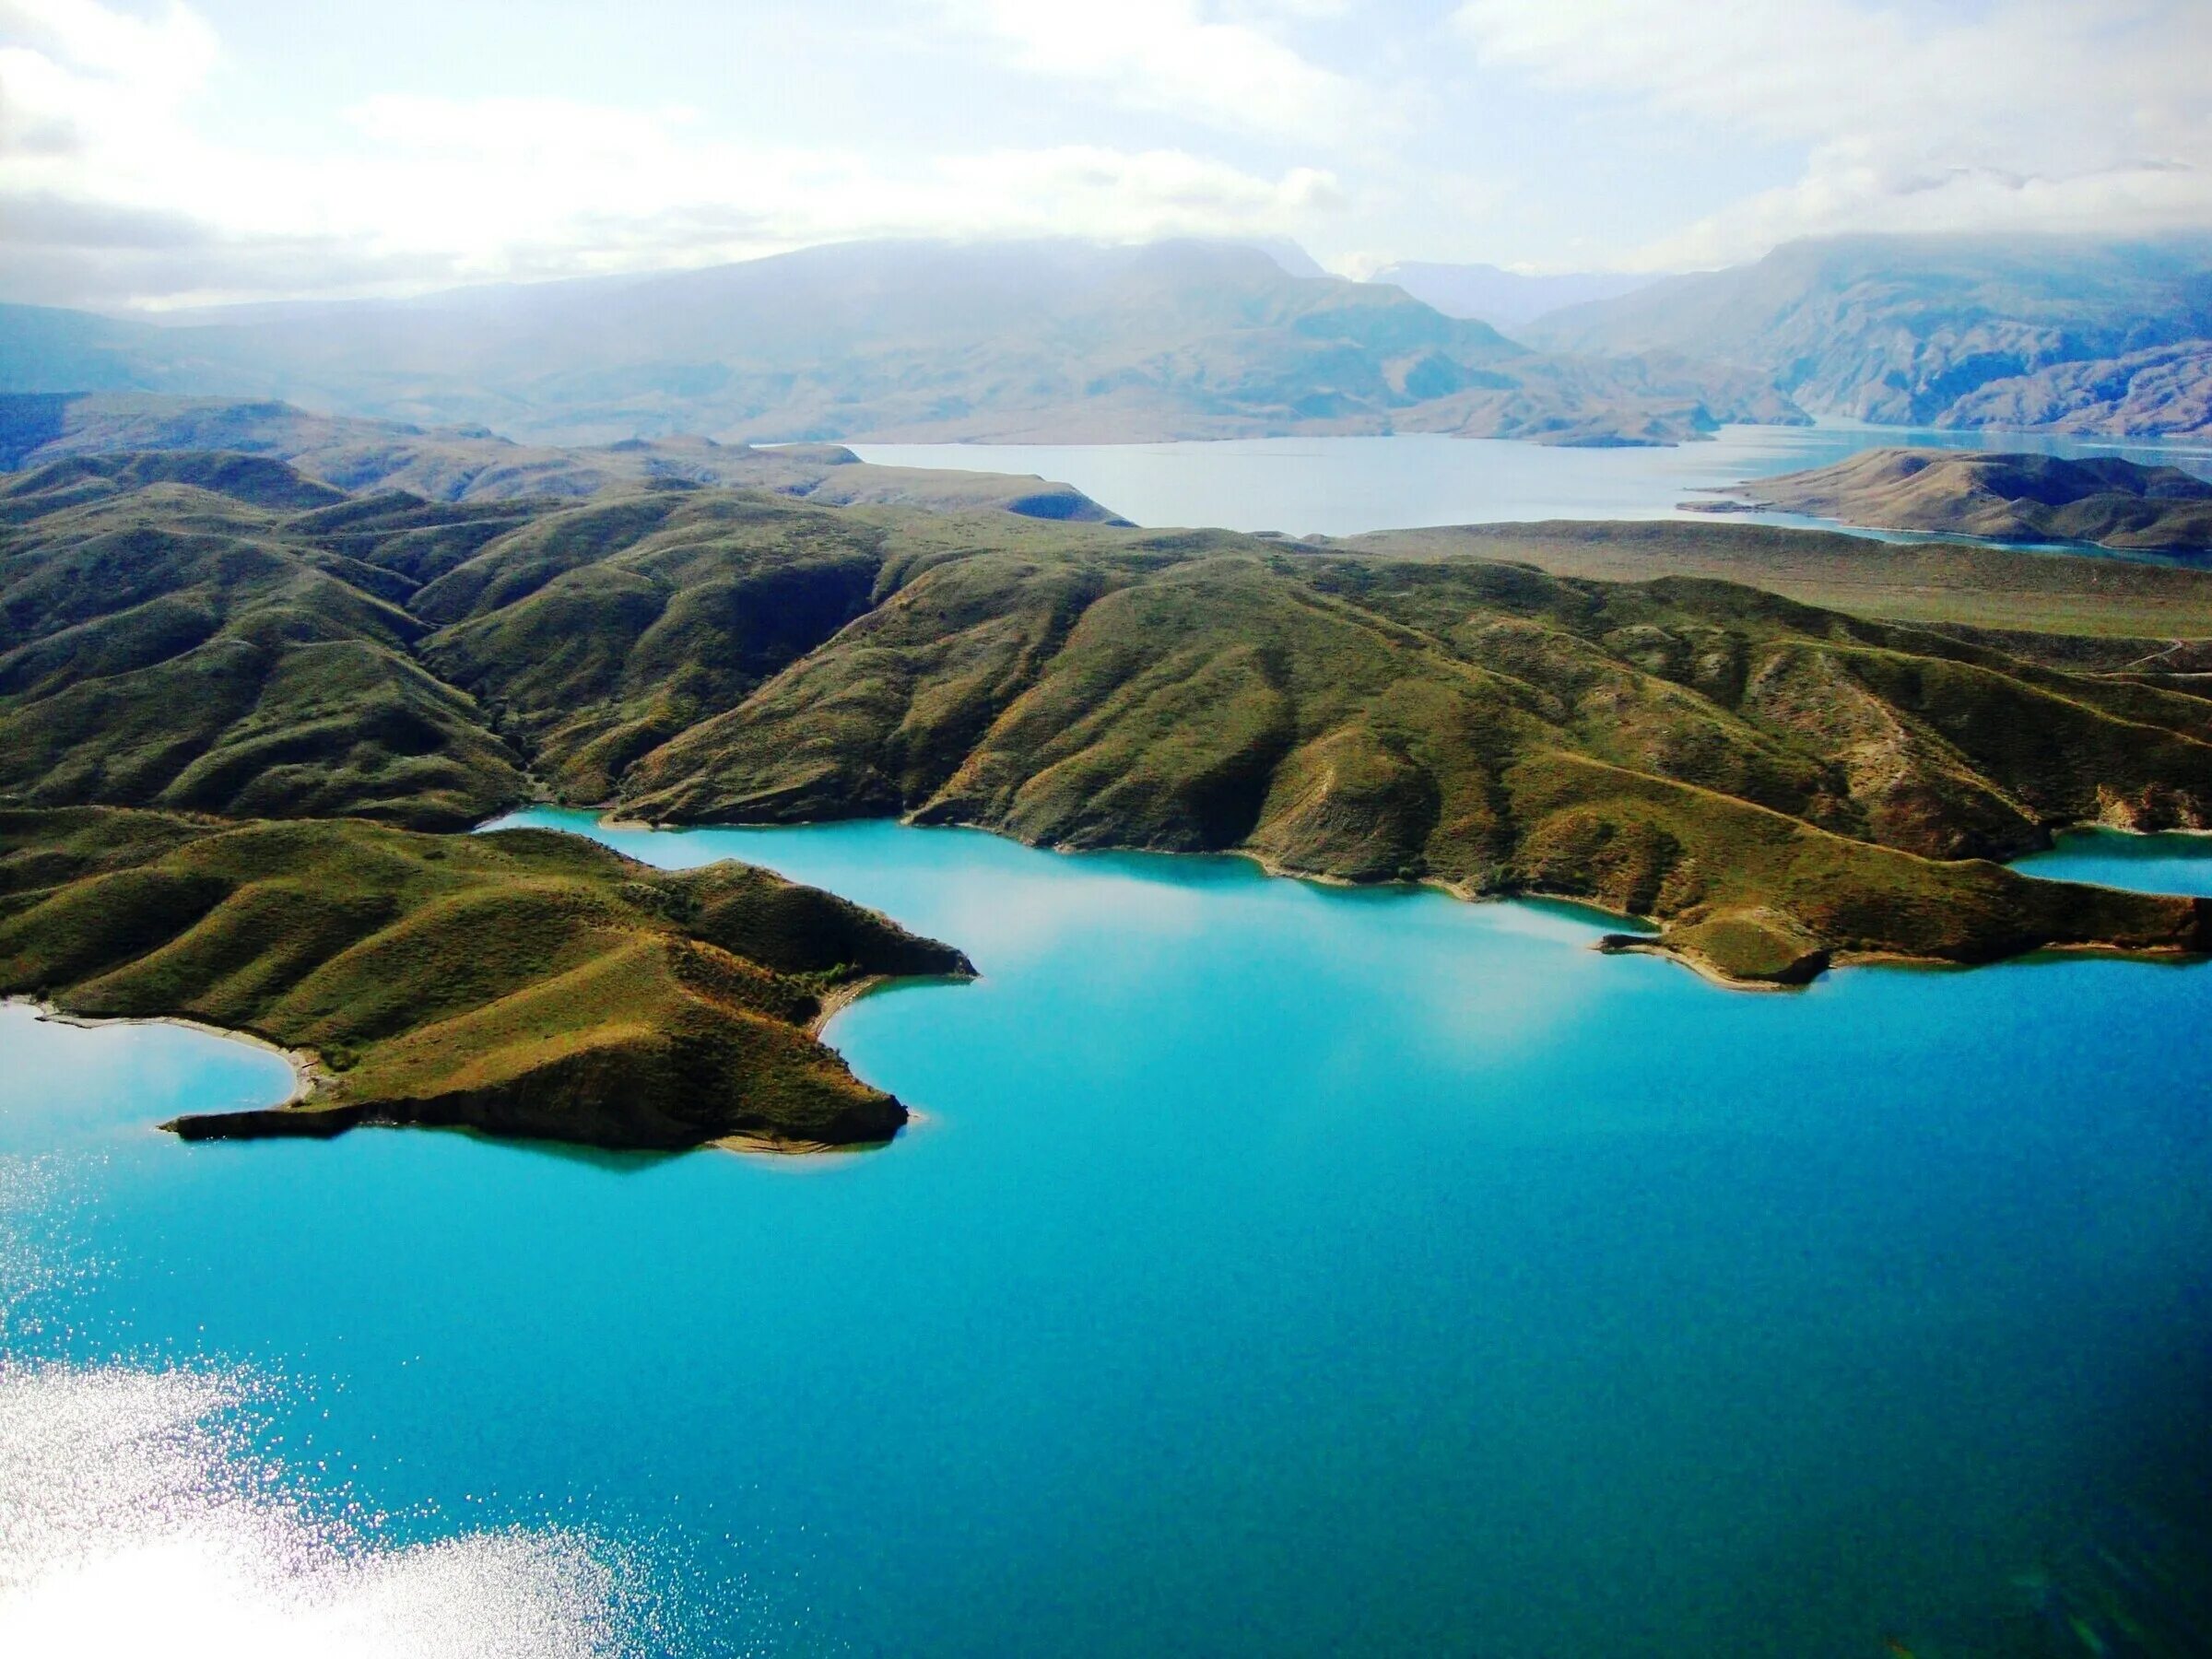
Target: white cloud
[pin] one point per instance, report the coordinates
(2020, 114)
(425, 191)
(1564, 132)
(1170, 56)
(172, 50)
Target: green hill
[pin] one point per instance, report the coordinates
(1775, 781)
(2015, 498)
(469, 464)
(521, 983)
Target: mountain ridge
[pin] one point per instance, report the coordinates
(1018, 341)
(1776, 785)
(2058, 333)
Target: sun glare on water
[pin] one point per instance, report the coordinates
(133, 1521)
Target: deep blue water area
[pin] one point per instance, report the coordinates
(1272, 1268)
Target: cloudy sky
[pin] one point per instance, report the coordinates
(156, 152)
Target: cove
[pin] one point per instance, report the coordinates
(1274, 1268)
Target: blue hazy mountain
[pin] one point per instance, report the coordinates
(1029, 340)
(1503, 299)
(2064, 333)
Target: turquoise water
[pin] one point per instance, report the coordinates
(1345, 485)
(1274, 1269)
(2150, 864)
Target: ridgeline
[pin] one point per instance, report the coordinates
(2107, 501)
(1779, 784)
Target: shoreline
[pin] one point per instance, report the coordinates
(835, 1001)
(309, 1073)
(837, 998)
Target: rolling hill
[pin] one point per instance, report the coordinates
(2107, 501)
(521, 983)
(468, 463)
(1775, 783)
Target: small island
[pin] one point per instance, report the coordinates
(2105, 503)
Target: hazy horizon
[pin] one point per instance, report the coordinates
(160, 153)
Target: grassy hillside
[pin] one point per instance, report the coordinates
(469, 464)
(521, 982)
(2064, 333)
(1041, 340)
(2107, 501)
(1699, 754)
(1772, 779)
(170, 646)
(1938, 584)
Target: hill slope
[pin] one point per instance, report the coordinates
(2050, 331)
(1774, 782)
(2110, 503)
(457, 463)
(1017, 341)
(521, 983)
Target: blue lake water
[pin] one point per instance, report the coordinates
(2150, 864)
(1345, 485)
(1274, 1269)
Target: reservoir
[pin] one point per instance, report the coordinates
(1272, 1268)
(1347, 486)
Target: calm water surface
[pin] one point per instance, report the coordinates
(1277, 1269)
(1344, 485)
(2150, 864)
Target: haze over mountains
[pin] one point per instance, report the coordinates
(2058, 333)
(1503, 299)
(1067, 341)
(1010, 341)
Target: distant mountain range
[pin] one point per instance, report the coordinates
(1047, 340)
(2052, 333)
(1074, 342)
(1505, 300)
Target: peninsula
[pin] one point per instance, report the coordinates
(1777, 783)
(2012, 497)
(521, 983)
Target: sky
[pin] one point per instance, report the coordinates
(154, 152)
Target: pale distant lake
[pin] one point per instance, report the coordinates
(1345, 485)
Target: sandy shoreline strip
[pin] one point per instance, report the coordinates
(308, 1071)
